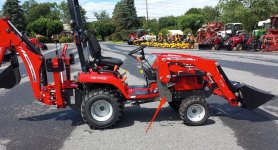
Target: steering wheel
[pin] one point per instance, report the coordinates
(141, 48)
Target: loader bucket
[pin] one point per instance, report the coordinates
(251, 98)
(10, 77)
(205, 46)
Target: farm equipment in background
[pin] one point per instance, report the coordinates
(207, 35)
(270, 42)
(174, 39)
(230, 29)
(263, 26)
(100, 91)
(136, 37)
(212, 43)
(241, 41)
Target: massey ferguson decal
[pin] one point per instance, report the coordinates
(29, 64)
(99, 78)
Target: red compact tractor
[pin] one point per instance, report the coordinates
(207, 36)
(136, 36)
(100, 91)
(271, 38)
(241, 41)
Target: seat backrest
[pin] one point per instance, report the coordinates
(94, 47)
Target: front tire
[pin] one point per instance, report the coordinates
(194, 111)
(216, 47)
(101, 109)
(239, 47)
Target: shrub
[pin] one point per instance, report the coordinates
(43, 39)
(65, 39)
(119, 36)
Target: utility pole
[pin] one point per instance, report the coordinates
(147, 10)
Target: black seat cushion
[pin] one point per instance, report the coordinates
(95, 51)
(110, 61)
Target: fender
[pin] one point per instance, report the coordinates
(104, 78)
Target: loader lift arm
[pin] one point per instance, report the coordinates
(235, 93)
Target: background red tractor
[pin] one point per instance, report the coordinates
(207, 35)
(241, 41)
(135, 36)
(271, 38)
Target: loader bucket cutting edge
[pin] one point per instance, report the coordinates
(252, 98)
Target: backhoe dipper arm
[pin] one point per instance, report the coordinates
(31, 60)
(210, 67)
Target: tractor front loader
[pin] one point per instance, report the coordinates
(99, 91)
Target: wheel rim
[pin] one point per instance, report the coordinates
(196, 112)
(101, 110)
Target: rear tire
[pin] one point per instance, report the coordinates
(101, 109)
(194, 111)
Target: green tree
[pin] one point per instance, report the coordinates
(13, 10)
(125, 15)
(141, 21)
(64, 12)
(194, 11)
(46, 10)
(46, 27)
(104, 26)
(169, 21)
(27, 5)
(210, 13)
(103, 15)
(191, 21)
(152, 25)
(247, 12)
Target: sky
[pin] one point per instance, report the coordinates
(157, 8)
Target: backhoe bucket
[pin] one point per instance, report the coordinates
(251, 98)
(205, 46)
(10, 77)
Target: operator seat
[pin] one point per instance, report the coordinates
(95, 51)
